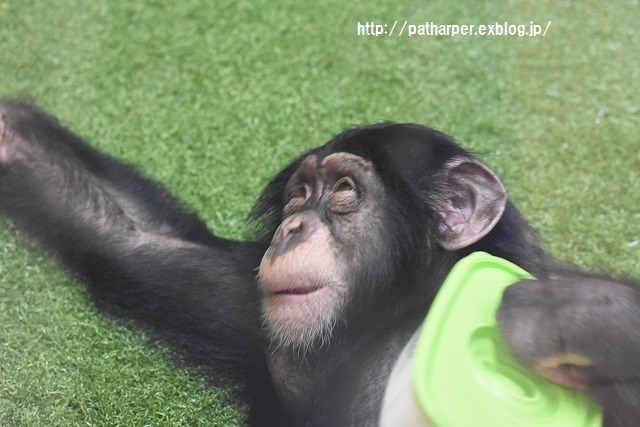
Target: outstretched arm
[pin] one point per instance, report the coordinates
(70, 195)
(143, 255)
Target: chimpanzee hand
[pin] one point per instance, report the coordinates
(582, 332)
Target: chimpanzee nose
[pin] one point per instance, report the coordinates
(292, 231)
(289, 230)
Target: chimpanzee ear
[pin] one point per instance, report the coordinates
(474, 200)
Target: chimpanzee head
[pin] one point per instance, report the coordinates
(363, 221)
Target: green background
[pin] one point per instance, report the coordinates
(213, 98)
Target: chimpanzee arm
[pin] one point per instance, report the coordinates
(583, 332)
(68, 194)
(143, 256)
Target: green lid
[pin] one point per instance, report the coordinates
(464, 374)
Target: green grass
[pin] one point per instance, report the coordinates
(213, 98)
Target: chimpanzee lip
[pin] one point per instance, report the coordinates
(301, 291)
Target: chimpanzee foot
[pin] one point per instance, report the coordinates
(575, 330)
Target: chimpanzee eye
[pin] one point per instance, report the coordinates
(299, 195)
(301, 192)
(344, 184)
(344, 196)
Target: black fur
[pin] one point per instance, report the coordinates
(147, 258)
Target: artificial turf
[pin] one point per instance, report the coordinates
(212, 98)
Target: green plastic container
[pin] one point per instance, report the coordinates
(464, 375)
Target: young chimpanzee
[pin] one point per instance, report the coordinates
(357, 236)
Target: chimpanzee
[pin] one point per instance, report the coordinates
(357, 236)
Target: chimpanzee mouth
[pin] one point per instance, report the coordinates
(298, 291)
